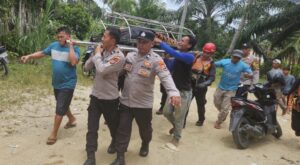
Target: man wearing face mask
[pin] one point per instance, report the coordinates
(136, 101)
(230, 78)
(64, 59)
(203, 75)
(108, 61)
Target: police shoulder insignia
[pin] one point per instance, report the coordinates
(162, 65)
(114, 60)
(147, 64)
(128, 66)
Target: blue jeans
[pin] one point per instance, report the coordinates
(176, 115)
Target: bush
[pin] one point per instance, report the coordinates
(37, 38)
(96, 29)
(296, 70)
(76, 18)
(264, 68)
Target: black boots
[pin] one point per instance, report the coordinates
(144, 149)
(120, 160)
(199, 123)
(111, 148)
(159, 111)
(171, 131)
(90, 159)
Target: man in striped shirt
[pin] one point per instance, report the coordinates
(64, 59)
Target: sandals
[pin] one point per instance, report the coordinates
(70, 125)
(51, 141)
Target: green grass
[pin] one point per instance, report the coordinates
(30, 81)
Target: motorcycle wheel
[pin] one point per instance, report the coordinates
(278, 131)
(240, 137)
(3, 68)
(85, 73)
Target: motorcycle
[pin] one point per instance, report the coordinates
(254, 119)
(3, 61)
(88, 53)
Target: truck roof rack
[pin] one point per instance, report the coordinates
(130, 27)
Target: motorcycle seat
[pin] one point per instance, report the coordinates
(254, 102)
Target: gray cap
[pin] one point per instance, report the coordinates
(237, 53)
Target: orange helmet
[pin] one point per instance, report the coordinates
(209, 47)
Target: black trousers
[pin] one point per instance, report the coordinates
(200, 96)
(296, 122)
(121, 81)
(143, 118)
(163, 97)
(97, 107)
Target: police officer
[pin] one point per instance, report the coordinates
(252, 61)
(108, 61)
(203, 75)
(136, 100)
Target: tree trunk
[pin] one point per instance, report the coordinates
(22, 16)
(183, 17)
(237, 35)
(239, 30)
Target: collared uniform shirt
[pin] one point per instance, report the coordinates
(252, 61)
(139, 80)
(108, 66)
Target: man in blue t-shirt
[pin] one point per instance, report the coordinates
(64, 59)
(230, 78)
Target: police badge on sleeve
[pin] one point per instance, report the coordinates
(128, 66)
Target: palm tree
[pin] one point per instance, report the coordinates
(281, 29)
(207, 14)
(150, 9)
(251, 14)
(205, 18)
(122, 6)
(240, 27)
(273, 28)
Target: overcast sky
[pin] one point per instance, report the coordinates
(169, 4)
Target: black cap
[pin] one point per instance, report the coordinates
(146, 35)
(245, 46)
(237, 53)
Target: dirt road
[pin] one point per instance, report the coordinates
(24, 130)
